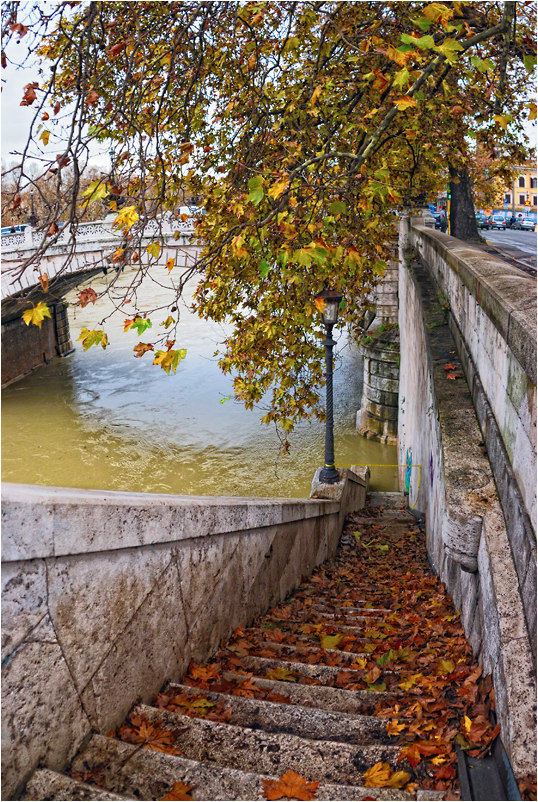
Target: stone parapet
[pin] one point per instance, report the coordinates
(470, 531)
(107, 595)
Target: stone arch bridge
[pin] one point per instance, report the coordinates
(67, 263)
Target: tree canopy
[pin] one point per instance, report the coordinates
(298, 126)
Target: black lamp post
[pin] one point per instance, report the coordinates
(33, 220)
(331, 303)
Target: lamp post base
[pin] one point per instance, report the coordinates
(329, 475)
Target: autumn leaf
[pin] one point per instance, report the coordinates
(154, 249)
(238, 248)
(170, 264)
(281, 674)
(44, 281)
(320, 304)
(150, 736)
(97, 191)
(290, 785)
(331, 641)
(452, 376)
(168, 322)
(169, 360)
(44, 137)
(393, 728)
(86, 297)
(141, 348)
(92, 97)
(256, 194)
(53, 229)
(381, 776)
(139, 323)
(126, 218)
(93, 337)
(29, 94)
(36, 314)
(179, 791)
(405, 102)
(450, 367)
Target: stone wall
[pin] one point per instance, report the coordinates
(107, 595)
(472, 540)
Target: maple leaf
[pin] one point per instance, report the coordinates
(86, 297)
(150, 736)
(154, 249)
(36, 314)
(44, 281)
(179, 791)
(93, 337)
(405, 102)
(204, 673)
(170, 359)
(450, 367)
(44, 137)
(393, 728)
(126, 218)
(452, 376)
(281, 674)
(290, 785)
(331, 641)
(92, 97)
(381, 776)
(29, 94)
(141, 348)
(170, 264)
(138, 323)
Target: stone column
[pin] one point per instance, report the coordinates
(64, 345)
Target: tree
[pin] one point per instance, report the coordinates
(299, 125)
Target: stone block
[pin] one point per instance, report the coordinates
(151, 649)
(92, 601)
(43, 720)
(24, 601)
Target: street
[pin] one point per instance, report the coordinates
(523, 240)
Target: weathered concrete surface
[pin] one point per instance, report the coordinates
(107, 595)
(468, 539)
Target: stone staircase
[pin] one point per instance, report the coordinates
(316, 701)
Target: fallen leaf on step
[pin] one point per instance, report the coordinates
(178, 791)
(290, 786)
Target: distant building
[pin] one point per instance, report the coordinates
(522, 195)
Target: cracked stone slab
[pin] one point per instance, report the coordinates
(47, 784)
(152, 774)
(296, 720)
(269, 753)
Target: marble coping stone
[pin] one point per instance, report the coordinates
(39, 521)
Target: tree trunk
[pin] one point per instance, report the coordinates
(462, 214)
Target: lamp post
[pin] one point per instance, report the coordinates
(331, 303)
(33, 220)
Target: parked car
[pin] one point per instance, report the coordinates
(525, 224)
(482, 221)
(498, 221)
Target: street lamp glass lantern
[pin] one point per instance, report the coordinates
(331, 304)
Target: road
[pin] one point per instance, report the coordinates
(520, 245)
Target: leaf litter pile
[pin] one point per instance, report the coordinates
(378, 616)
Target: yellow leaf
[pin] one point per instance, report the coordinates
(154, 249)
(393, 728)
(405, 102)
(377, 776)
(278, 188)
(45, 137)
(467, 724)
(315, 94)
(320, 305)
(170, 264)
(126, 218)
(238, 246)
(36, 315)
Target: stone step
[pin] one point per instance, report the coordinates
(269, 753)
(47, 784)
(293, 626)
(325, 675)
(297, 720)
(287, 650)
(323, 697)
(146, 774)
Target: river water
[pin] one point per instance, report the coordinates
(105, 420)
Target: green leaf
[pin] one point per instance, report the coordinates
(264, 268)
(449, 49)
(154, 249)
(529, 61)
(423, 23)
(402, 79)
(97, 191)
(169, 360)
(424, 42)
(482, 65)
(256, 193)
(338, 207)
(140, 324)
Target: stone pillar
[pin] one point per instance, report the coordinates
(64, 346)
(378, 416)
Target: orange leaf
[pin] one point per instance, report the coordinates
(44, 281)
(450, 367)
(178, 791)
(320, 305)
(87, 296)
(452, 376)
(92, 97)
(405, 102)
(29, 94)
(290, 786)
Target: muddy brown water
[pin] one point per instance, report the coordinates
(105, 420)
